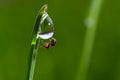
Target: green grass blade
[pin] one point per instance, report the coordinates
(91, 25)
(35, 43)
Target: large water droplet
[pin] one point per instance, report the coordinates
(46, 29)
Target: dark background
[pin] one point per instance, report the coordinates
(61, 62)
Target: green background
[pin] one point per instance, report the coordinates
(62, 61)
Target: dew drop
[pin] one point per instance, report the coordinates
(46, 30)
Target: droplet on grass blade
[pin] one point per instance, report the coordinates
(46, 29)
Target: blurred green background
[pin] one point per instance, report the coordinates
(61, 62)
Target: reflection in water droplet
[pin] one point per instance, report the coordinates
(49, 24)
(43, 17)
(45, 35)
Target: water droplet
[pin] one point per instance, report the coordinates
(46, 30)
(89, 22)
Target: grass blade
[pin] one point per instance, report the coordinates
(35, 43)
(91, 25)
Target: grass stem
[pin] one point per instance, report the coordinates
(91, 25)
(32, 61)
(35, 43)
